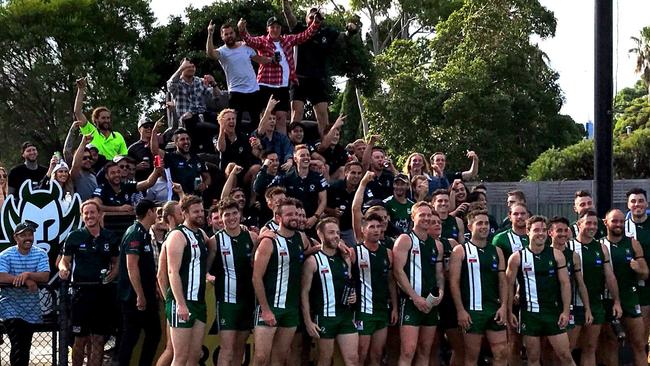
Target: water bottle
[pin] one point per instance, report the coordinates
(618, 330)
(348, 290)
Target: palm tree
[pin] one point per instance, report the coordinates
(642, 51)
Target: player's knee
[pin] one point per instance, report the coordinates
(499, 351)
(408, 350)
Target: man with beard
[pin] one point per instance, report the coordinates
(306, 186)
(629, 266)
(582, 203)
(22, 265)
(339, 200)
(81, 173)
(248, 214)
(598, 275)
(452, 227)
(277, 268)
(510, 241)
(87, 253)
(375, 288)
(185, 167)
(399, 206)
(140, 152)
(189, 255)
(374, 160)
(580, 309)
(478, 287)
(327, 310)
(232, 270)
(512, 197)
(331, 150)
(108, 142)
(116, 194)
(638, 227)
(235, 59)
(137, 287)
(276, 77)
(418, 271)
(273, 196)
(29, 170)
(540, 272)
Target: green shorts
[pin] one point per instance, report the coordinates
(330, 327)
(198, 312)
(284, 318)
(598, 311)
(234, 316)
(448, 309)
(410, 315)
(630, 307)
(483, 321)
(368, 324)
(644, 293)
(539, 324)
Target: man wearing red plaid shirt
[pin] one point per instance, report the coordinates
(275, 78)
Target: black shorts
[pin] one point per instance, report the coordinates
(312, 89)
(93, 310)
(280, 94)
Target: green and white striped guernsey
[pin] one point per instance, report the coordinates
(420, 266)
(479, 278)
(620, 255)
(371, 272)
(591, 261)
(328, 284)
(539, 285)
(283, 272)
(233, 268)
(272, 225)
(570, 267)
(510, 242)
(193, 265)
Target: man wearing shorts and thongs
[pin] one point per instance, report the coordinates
(418, 272)
(593, 257)
(233, 270)
(478, 287)
(327, 295)
(189, 254)
(277, 269)
(638, 227)
(629, 266)
(580, 310)
(544, 294)
(375, 287)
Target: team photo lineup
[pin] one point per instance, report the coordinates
(317, 252)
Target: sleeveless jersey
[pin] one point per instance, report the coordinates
(450, 228)
(570, 267)
(510, 242)
(420, 267)
(371, 273)
(539, 285)
(620, 255)
(283, 272)
(327, 285)
(233, 268)
(193, 265)
(591, 261)
(272, 225)
(640, 232)
(601, 231)
(479, 278)
(446, 253)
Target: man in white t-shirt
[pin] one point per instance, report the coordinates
(243, 89)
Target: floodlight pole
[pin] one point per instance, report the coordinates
(603, 111)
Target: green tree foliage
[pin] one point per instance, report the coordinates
(479, 84)
(46, 45)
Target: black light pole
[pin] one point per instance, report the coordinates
(603, 96)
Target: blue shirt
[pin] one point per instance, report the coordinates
(20, 302)
(280, 144)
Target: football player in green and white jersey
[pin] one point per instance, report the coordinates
(452, 227)
(327, 295)
(418, 271)
(581, 204)
(232, 270)
(277, 269)
(637, 226)
(478, 287)
(544, 294)
(189, 254)
(273, 195)
(629, 266)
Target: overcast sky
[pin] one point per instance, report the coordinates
(571, 52)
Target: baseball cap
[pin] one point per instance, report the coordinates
(27, 145)
(144, 121)
(92, 147)
(295, 124)
(61, 165)
(119, 158)
(272, 20)
(401, 176)
(143, 206)
(25, 225)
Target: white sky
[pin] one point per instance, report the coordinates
(571, 52)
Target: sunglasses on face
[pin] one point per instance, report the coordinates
(87, 158)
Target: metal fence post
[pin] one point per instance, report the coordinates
(63, 324)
